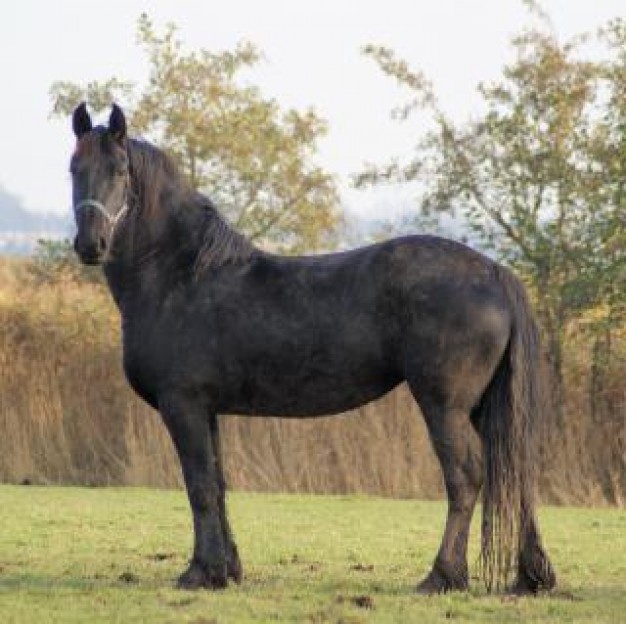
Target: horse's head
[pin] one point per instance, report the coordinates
(99, 168)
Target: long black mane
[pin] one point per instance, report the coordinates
(153, 175)
(150, 170)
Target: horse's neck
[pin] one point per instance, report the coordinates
(153, 247)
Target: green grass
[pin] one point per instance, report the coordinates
(111, 555)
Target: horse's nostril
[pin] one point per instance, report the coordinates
(102, 244)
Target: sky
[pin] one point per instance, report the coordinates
(312, 57)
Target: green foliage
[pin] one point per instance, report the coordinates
(253, 158)
(111, 555)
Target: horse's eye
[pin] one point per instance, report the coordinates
(120, 168)
(117, 169)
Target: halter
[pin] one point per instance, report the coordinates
(92, 203)
(99, 206)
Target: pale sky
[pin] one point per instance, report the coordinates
(312, 58)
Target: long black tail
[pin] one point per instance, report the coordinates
(508, 414)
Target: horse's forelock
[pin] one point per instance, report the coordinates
(88, 142)
(84, 145)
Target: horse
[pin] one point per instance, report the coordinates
(212, 324)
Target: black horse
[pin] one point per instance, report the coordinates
(213, 325)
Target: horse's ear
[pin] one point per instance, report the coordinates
(117, 123)
(81, 121)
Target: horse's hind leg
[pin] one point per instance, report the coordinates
(233, 563)
(458, 448)
(534, 570)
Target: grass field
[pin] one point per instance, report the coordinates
(110, 555)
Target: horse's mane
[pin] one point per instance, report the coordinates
(221, 243)
(151, 169)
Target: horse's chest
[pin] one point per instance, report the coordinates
(140, 377)
(143, 359)
(161, 355)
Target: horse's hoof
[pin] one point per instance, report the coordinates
(200, 577)
(520, 588)
(234, 570)
(437, 583)
(525, 586)
(534, 575)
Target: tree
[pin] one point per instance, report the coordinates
(539, 175)
(255, 160)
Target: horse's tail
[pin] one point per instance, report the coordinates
(508, 415)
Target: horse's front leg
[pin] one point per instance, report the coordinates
(233, 562)
(188, 423)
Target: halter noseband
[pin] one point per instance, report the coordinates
(92, 203)
(99, 206)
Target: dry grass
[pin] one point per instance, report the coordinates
(67, 416)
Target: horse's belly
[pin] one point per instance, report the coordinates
(290, 395)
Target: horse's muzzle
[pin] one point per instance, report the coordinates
(92, 252)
